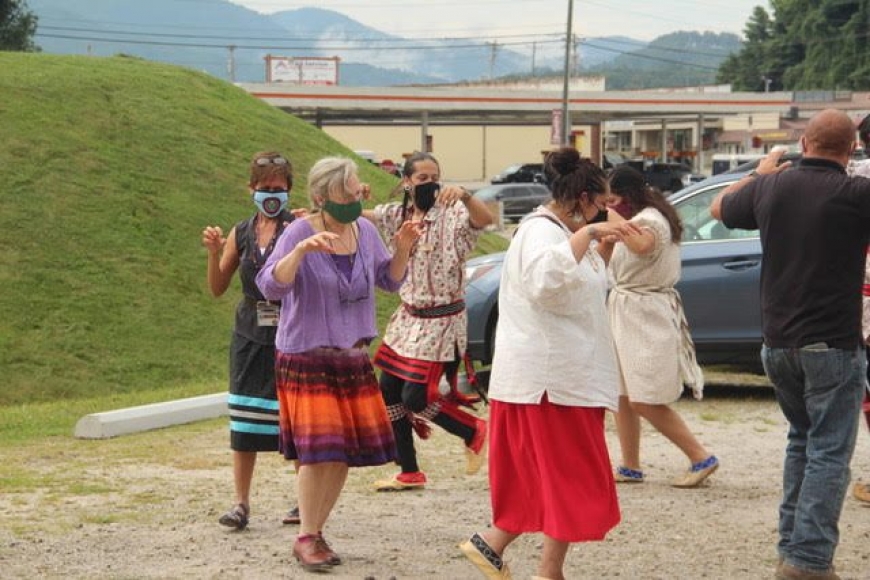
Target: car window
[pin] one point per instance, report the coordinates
(699, 225)
(486, 193)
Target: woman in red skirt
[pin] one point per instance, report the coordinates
(553, 376)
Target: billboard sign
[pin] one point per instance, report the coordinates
(309, 70)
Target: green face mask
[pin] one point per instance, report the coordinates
(343, 212)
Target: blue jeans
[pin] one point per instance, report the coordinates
(819, 390)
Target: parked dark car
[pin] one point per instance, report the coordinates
(667, 177)
(670, 177)
(719, 283)
(517, 199)
(521, 173)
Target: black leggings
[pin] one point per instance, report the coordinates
(411, 395)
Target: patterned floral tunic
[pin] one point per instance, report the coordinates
(436, 276)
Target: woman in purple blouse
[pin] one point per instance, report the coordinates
(324, 269)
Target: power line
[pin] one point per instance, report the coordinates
(655, 58)
(277, 47)
(647, 46)
(534, 38)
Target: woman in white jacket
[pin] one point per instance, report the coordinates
(553, 377)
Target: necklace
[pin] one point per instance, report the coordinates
(349, 249)
(257, 256)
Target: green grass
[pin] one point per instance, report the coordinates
(111, 167)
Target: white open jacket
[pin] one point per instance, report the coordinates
(553, 335)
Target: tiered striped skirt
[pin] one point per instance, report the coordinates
(331, 408)
(252, 401)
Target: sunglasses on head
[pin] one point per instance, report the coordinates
(264, 161)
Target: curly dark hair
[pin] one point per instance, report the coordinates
(864, 131)
(569, 176)
(629, 183)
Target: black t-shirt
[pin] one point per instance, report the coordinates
(814, 222)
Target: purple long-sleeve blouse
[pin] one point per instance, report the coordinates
(321, 307)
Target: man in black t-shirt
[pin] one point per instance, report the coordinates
(814, 222)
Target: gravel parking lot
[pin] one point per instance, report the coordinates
(146, 506)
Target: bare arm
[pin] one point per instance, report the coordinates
(641, 243)
(403, 241)
(639, 240)
(369, 214)
(478, 214)
(607, 233)
(223, 258)
(287, 267)
(770, 164)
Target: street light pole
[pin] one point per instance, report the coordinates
(566, 119)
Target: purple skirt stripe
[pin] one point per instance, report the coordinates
(331, 409)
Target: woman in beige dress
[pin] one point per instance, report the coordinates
(653, 345)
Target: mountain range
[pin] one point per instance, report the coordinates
(231, 42)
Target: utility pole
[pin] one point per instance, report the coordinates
(534, 51)
(576, 56)
(493, 49)
(566, 118)
(231, 63)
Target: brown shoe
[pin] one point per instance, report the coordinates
(788, 572)
(312, 553)
(861, 491)
(334, 559)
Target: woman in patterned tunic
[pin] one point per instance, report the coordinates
(426, 337)
(252, 402)
(655, 351)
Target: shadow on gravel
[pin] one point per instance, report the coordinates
(722, 391)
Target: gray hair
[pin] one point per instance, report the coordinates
(330, 174)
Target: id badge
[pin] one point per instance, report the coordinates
(267, 314)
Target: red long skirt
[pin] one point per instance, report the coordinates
(550, 472)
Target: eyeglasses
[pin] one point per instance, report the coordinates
(264, 161)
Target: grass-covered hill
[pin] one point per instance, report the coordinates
(110, 168)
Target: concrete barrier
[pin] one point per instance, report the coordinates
(153, 416)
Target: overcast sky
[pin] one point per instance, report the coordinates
(640, 19)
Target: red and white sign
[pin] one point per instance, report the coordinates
(556, 127)
(309, 70)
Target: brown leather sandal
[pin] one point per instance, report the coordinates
(236, 518)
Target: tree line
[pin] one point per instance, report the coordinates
(17, 26)
(803, 45)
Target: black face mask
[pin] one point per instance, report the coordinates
(601, 216)
(425, 194)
